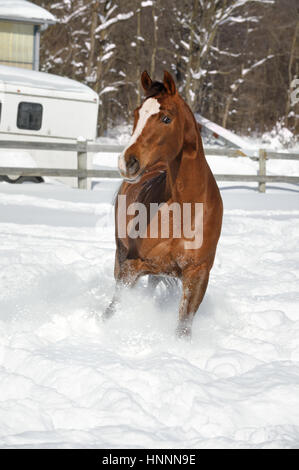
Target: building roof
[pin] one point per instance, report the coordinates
(41, 82)
(22, 10)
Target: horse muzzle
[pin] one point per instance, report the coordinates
(129, 168)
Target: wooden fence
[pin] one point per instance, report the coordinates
(82, 147)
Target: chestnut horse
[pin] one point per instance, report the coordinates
(164, 163)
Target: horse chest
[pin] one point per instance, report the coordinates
(165, 256)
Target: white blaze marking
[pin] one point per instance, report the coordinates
(150, 106)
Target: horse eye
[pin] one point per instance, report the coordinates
(166, 119)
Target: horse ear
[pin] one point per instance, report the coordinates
(146, 81)
(169, 84)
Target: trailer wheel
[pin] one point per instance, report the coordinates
(20, 179)
(13, 179)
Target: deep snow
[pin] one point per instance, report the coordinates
(67, 380)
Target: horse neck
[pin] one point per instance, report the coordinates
(187, 174)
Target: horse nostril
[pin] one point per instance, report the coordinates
(132, 165)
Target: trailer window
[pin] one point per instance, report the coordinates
(30, 116)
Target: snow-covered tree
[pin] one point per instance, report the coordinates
(199, 26)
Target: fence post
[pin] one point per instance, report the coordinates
(262, 169)
(82, 161)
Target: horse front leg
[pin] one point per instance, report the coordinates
(126, 275)
(152, 283)
(195, 282)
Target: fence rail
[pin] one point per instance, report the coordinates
(82, 148)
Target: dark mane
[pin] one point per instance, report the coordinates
(153, 189)
(155, 89)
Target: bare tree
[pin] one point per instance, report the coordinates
(233, 60)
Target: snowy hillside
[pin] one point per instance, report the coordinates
(67, 380)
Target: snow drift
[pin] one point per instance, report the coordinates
(68, 380)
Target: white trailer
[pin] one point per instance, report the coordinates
(40, 107)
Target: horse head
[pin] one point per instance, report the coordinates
(158, 130)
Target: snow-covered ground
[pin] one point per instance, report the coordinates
(67, 380)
